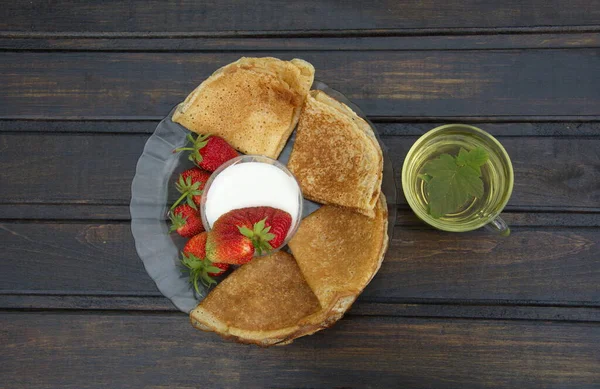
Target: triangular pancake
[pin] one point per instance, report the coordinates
(253, 103)
(261, 302)
(336, 157)
(339, 251)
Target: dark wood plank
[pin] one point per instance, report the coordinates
(86, 212)
(251, 44)
(73, 257)
(531, 264)
(402, 83)
(76, 169)
(538, 266)
(89, 302)
(51, 350)
(98, 169)
(134, 126)
(276, 15)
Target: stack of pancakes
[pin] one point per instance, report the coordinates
(255, 104)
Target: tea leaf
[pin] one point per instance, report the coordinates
(425, 177)
(474, 158)
(454, 180)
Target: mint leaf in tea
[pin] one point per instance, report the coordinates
(451, 181)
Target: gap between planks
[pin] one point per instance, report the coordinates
(110, 213)
(449, 309)
(310, 33)
(291, 44)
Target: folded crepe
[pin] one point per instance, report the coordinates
(338, 251)
(336, 157)
(253, 103)
(261, 302)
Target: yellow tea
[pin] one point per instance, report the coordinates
(458, 178)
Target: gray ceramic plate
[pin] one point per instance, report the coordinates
(152, 191)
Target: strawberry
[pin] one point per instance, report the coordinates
(209, 152)
(233, 248)
(200, 268)
(223, 266)
(190, 185)
(196, 246)
(259, 235)
(277, 222)
(186, 221)
(262, 228)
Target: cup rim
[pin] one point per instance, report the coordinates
(260, 159)
(434, 132)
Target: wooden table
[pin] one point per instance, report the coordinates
(83, 85)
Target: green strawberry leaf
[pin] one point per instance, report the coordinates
(177, 221)
(260, 226)
(196, 145)
(454, 180)
(198, 270)
(248, 233)
(213, 269)
(190, 202)
(188, 190)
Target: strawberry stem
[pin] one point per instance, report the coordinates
(183, 149)
(184, 195)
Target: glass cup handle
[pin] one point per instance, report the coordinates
(498, 226)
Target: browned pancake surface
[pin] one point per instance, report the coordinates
(336, 158)
(268, 293)
(339, 250)
(253, 103)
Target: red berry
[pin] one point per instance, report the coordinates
(223, 266)
(196, 246)
(209, 152)
(233, 248)
(200, 268)
(191, 184)
(277, 222)
(215, 153)
(237, 234)
(186, 221)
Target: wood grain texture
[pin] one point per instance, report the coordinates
(276, 15)
(499, 126)
(530, 265)
(249, 45)
(407, 83)
(101, 167)
(542, 266)
(75, 257)
(165, 351)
